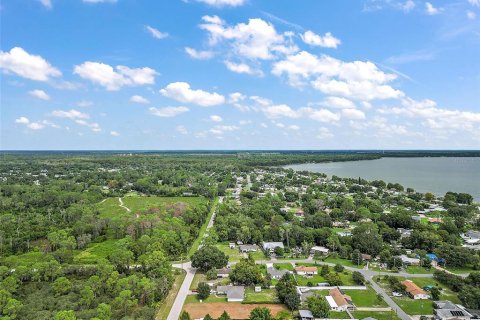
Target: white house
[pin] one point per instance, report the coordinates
(270, 246)
(321, 250)
(306, 271)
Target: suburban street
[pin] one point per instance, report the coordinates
(368, 274)
(187, 282)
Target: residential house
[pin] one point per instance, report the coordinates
(447, 310)
(339, 301)
(223, 273)
(270, 246)
(300, 213)
(404, 233)
(471, 237)
(320, 250)
(306, 271)
(246, 248)
(409, 261)
(366, 257)
(276, 274)
(233, 293)
(305, 315)
(414, 291)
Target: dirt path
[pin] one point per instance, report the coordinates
(122, 205)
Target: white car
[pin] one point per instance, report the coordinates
(397, 294)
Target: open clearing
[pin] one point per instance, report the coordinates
(110, 208)
(236, 310)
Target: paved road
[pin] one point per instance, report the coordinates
(392, 304)
(187, 282)
(183, 292)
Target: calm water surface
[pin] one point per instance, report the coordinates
(436, 175)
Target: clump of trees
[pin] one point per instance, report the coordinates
(287, 292)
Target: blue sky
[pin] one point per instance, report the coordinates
(240, 74)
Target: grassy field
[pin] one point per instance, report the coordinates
(377, 315)
(212, 298)
(338, 315)
(415, 307)
(110, 208)
(283, 266)
(418, 270)
(343, 262)
(265, 296)
(166, 305)
(233, 254)
(95, 252)
(26, 259)
(421, 307)
(366, 298)
(345, 276)
(201, 233)
(201, 277)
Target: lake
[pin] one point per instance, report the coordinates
(437, 175)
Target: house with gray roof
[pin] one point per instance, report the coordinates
(233, 293)
(447, 310)
(245, 248)
(270, 246)
(305, 315)
(276, 274)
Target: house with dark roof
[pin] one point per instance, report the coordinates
(447, 310)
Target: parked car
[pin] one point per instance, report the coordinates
(397, 294)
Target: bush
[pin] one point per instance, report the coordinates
(338, 268)
(203, 291)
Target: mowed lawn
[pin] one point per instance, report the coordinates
(377, 315)
(415, 307)
(265, 296)
(366, 298)
(345, 276)
(421, 307)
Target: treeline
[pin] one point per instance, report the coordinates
(468, 289)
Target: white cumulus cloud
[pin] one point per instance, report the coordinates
(115, 78)
(431, 10)
(139, 99)
(40, 94)
(182, 92)
(326, 41)
(33, 67)
(361, 80)
(70, 114)
(256, 39)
